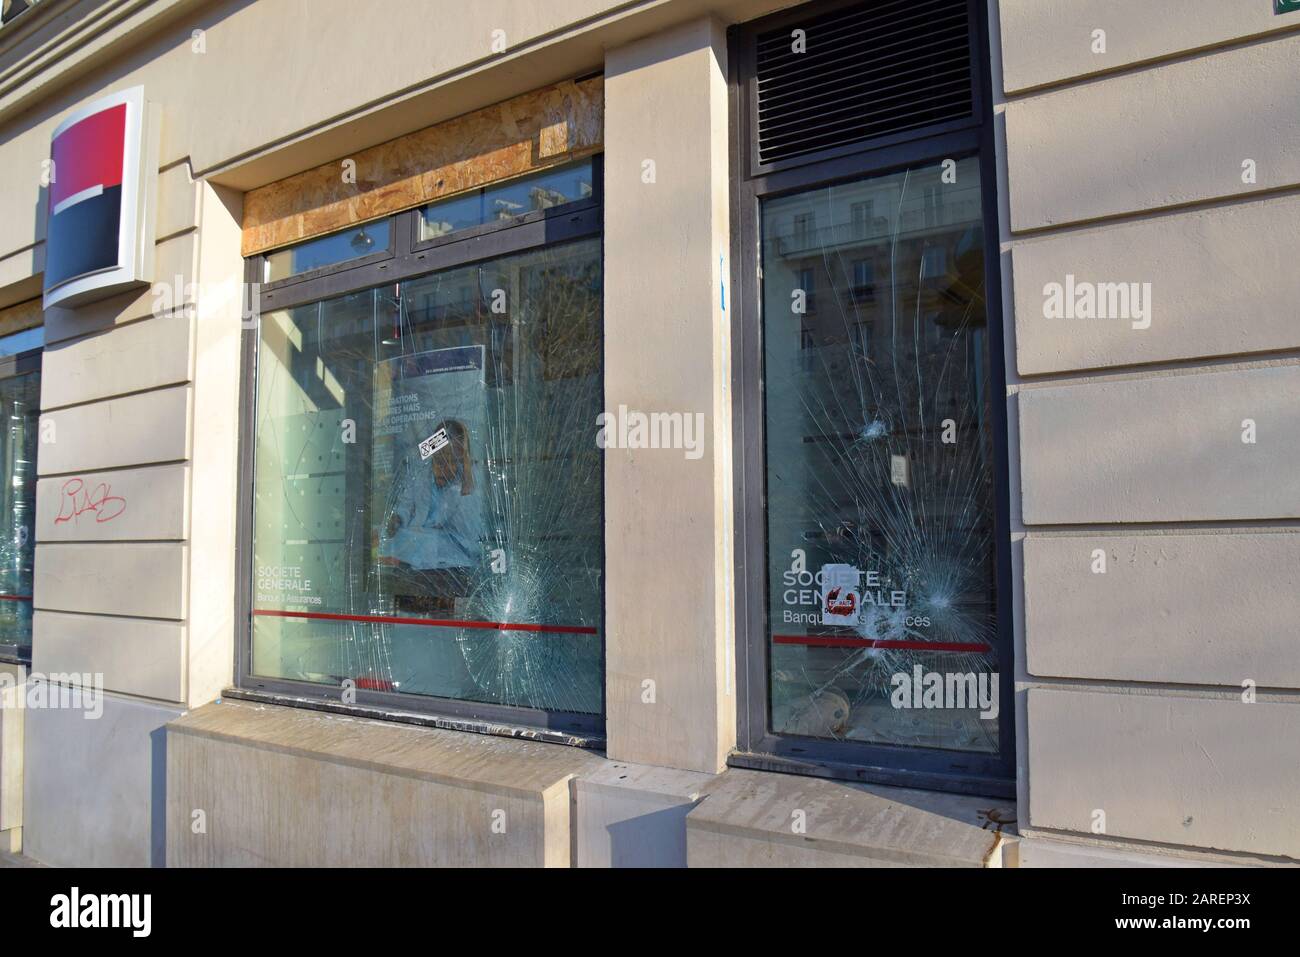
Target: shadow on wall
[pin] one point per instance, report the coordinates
(158, 797)
(640, 841)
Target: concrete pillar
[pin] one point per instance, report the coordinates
(670, 658)
(215, 448)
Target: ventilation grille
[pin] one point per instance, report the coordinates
(866, 71)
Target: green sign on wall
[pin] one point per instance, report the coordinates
(1287, 6)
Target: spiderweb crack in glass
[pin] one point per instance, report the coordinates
(877, 409)
(473, 572)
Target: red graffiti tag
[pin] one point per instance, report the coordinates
(76, 500)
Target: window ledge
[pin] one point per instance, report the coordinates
(762, 819)
(422, 719)
(433, 754)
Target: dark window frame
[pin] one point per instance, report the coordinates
(757, 745)
(387, 254)
(21, 363)
(405, 260)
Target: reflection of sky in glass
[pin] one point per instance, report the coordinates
(18, 342)
(352, 243)
(517, 197)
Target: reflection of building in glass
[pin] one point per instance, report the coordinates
(19, 416)
(500, 529)
(889, 346)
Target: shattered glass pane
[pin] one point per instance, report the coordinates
(20, 402)
(880, 506)
(427, 491)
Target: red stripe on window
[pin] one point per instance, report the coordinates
(15, 597)
(430, 622)
(818, 641)
(88, 153)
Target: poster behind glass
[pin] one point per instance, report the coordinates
(427, 505)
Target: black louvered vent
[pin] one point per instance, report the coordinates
(867, 70)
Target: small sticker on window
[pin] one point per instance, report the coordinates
(433, 443)
(898, 472)
(841, 597)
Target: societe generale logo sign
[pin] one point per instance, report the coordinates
(100, 216)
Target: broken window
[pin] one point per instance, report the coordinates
(880, 486)
(428, 492)
(20, 402)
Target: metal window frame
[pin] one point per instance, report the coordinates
(18, 364)
(757, 745)
(405, 260)
(321, 272)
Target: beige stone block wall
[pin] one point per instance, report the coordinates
(134, 358)
(140, 397)
(1168, 448)
(1051, 41)
(1171, 135)
(1127, 436)
(139, 429)
(132, 504)
(1186, 257)
(145, 658)
(1209, 772)
(137, 579)
(1195, 607)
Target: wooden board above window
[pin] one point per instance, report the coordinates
(24, 315)
(531, 132)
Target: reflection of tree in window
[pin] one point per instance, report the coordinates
(507, 351)
(858, 472)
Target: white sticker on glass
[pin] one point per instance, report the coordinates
(841, 597)
(433, 443)
(898, 470)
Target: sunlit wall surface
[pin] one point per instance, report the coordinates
(427, 515)
(879, 460)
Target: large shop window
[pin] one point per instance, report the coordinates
(20, 403)
(874, 578)
(427, 527)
